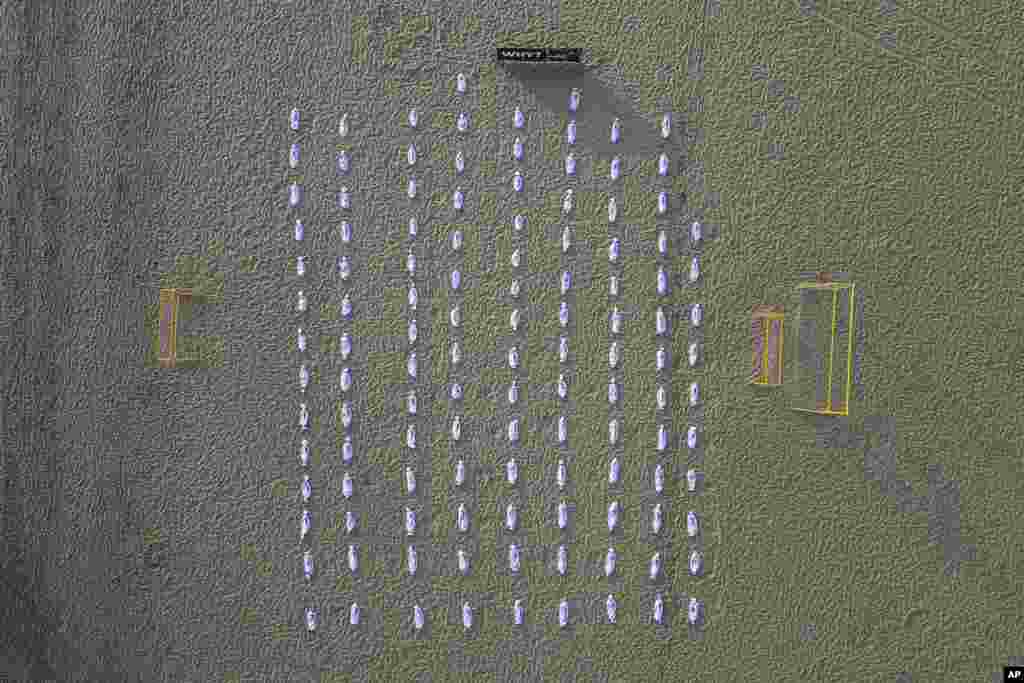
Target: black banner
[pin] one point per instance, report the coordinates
(540, 54)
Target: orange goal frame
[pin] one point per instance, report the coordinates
(767, 331)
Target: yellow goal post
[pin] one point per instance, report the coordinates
(833, 302)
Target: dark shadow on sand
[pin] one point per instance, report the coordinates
(599, 105)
